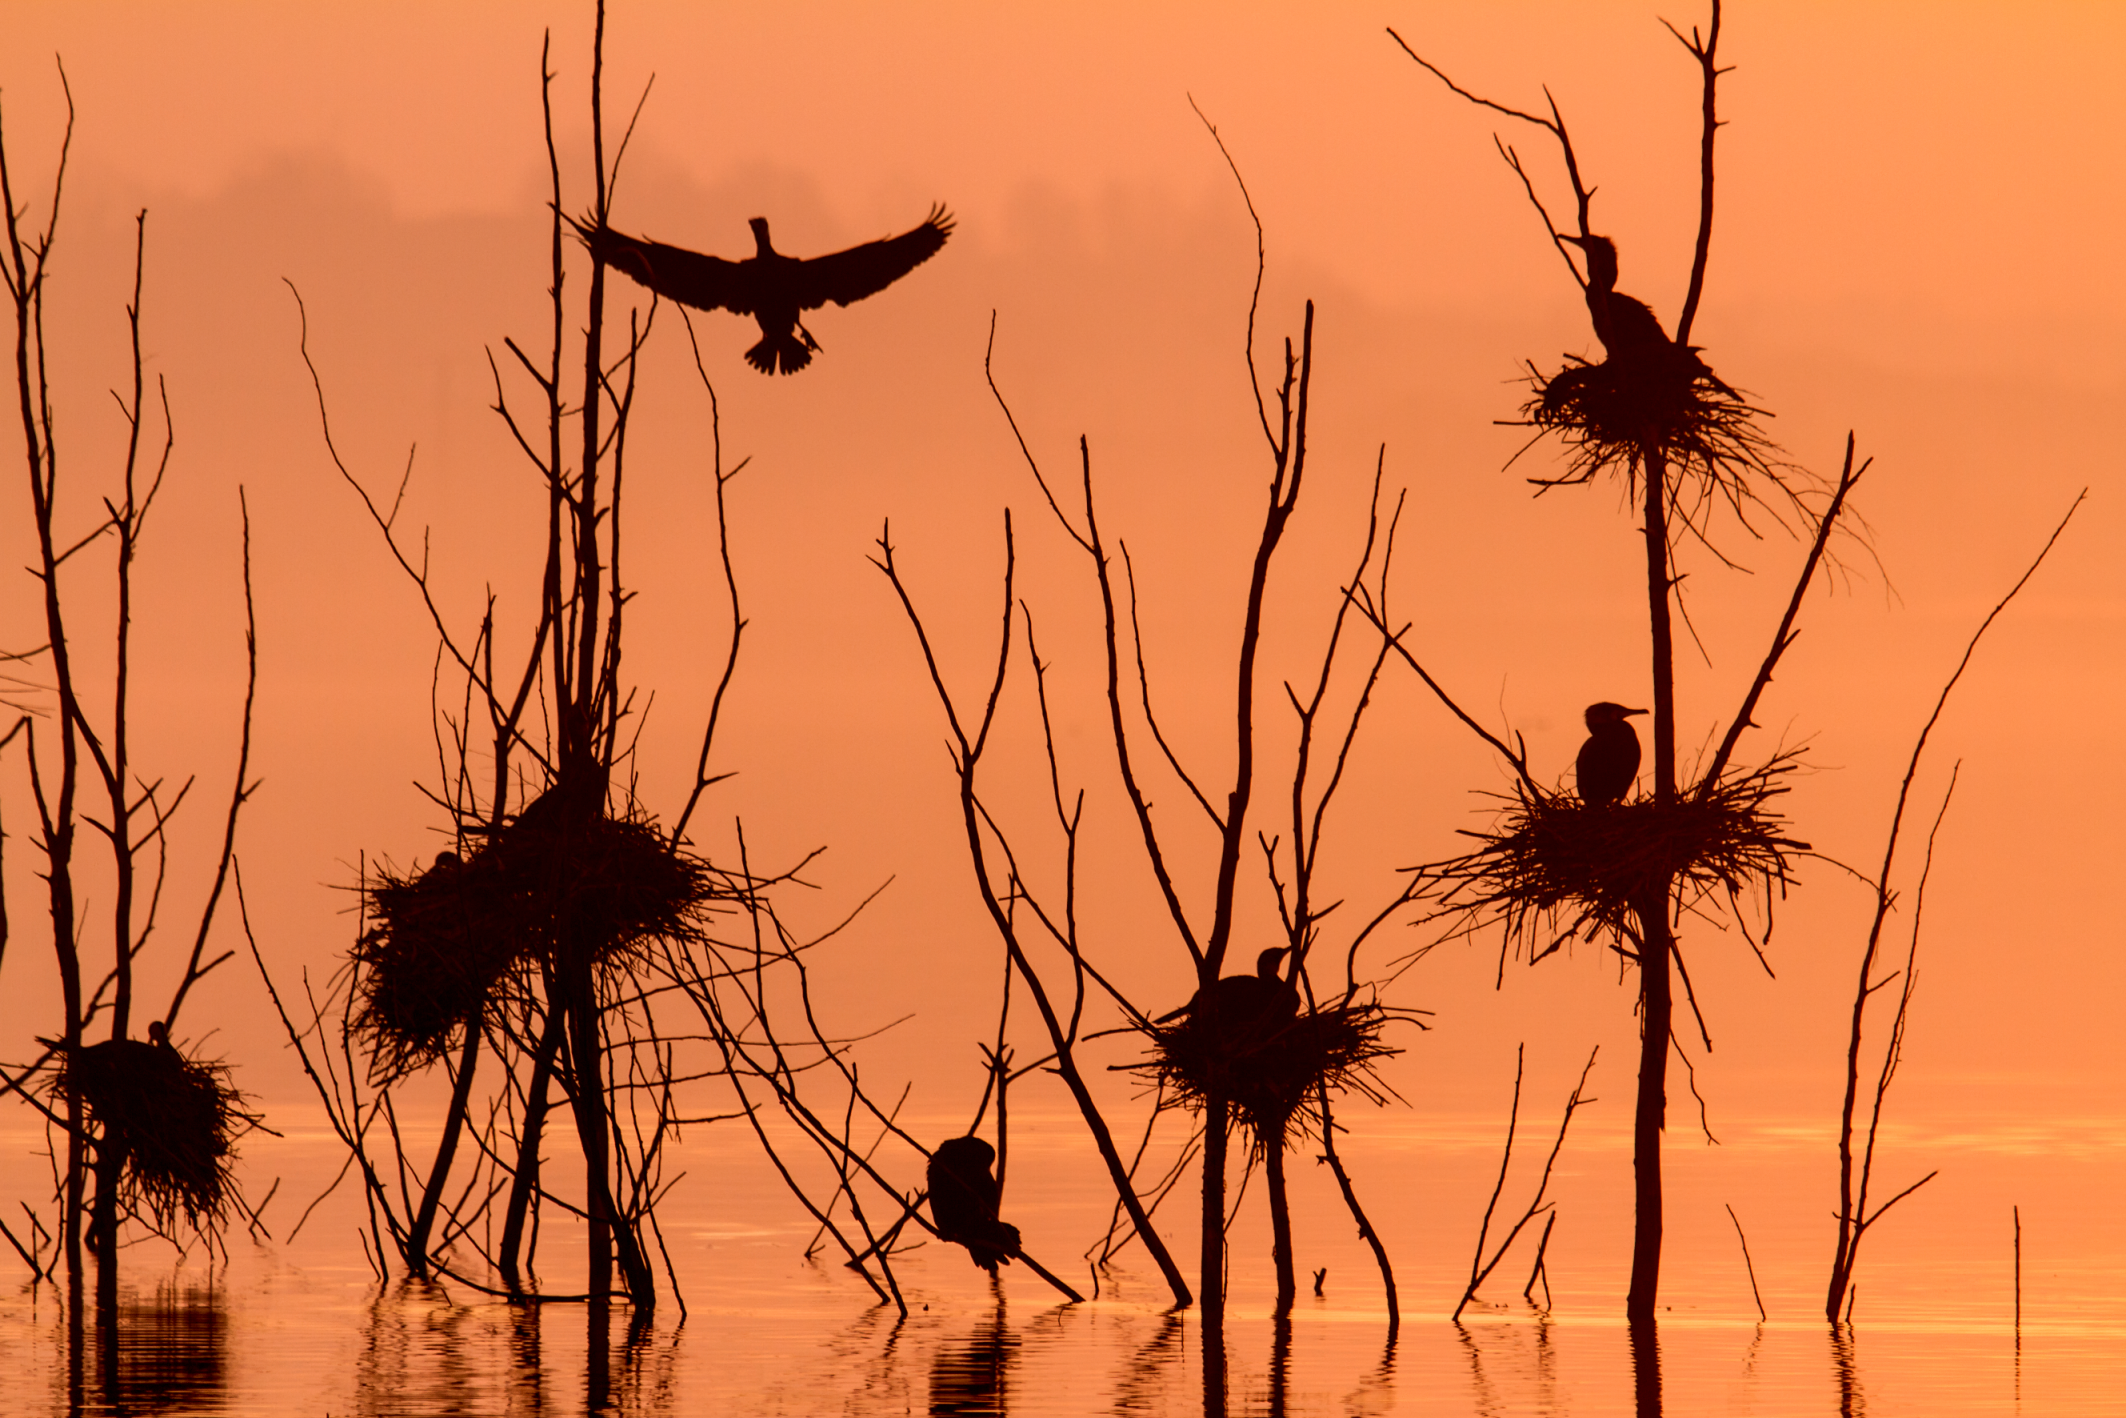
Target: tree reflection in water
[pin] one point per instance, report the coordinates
(1147, 1377)
(1845, 1363)
(165, 1355)
(1280, 1363)
(1646, 1368)
(1531, 1352)
(972, 1375)
(1376, 1391)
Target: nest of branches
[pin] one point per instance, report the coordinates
(1271, 1069)
(1610, 414)
(1552, 854)
(174, 1120)
(444, 941)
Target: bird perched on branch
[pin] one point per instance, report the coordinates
(963, 1202)
(769, 286)
(1609, 760)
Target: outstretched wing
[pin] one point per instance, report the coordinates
(868, 269)
(704, 282)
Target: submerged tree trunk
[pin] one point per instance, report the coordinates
(524, 1180)
(103, 1222)
(1210, 1281)
(586, 1059)
(1656, 1003)
(611, 1234)
(1657, 942)
(1280, 1219)
(424, 1220)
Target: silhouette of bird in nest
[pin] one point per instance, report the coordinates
(1628, 328)
(963, 1202)
(1609, 760)
(772, 288)
(1245, 1004)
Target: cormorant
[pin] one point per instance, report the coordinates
(1609, 760)
(1244, 1004)
(1627, 328)
(963, 1202)
(769, 286)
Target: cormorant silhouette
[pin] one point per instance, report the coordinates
(1609, 760)
(963, 1202)
(1244, 1004)
(769, 286)
(1627, 328)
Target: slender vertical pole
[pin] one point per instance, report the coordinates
(1657, 941)
(446, 1151)
(1280, 1221)
(588, 1059)
(1210, 1283)
(2018, 1275)
(525, 1178)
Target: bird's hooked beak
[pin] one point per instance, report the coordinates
(1629, 712)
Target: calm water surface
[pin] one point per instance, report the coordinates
(303, 1327)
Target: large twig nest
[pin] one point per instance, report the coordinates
(174, 1120)
(1271, 1068)
(1612, 415)
(1552, 857)
(541, 891)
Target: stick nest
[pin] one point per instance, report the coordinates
(1271, 1068)
(175, 1121)
(1552, 855)
(444, 941)
(1612, 414)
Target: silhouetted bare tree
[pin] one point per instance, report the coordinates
(153, 1127)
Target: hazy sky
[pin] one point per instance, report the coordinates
(1919, 217)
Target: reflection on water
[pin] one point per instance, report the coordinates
(171, 1353)
(1850, 1401)
(306, 1330)
(1646, 1369)
(971, 1375)
(1147, 1373)
(282, 1345)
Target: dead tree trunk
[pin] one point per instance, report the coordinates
(1280, 1220)
(424, 1220)
(1656, 940)
(524, 1179)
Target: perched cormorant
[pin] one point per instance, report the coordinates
(963, 1202)
(1246, 1003)
(769, 286)
(1609, 760)
(1627, 328)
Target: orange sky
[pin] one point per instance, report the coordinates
(1919, 219)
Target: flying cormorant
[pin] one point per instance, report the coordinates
(1609, 760)
(963, 1202)
(769, 286)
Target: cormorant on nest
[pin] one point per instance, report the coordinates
(963, 1202)
(1609, 760)
(769, 286)
(1244, 1004)
(1628, 328)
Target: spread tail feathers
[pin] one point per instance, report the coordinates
(784, 353)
